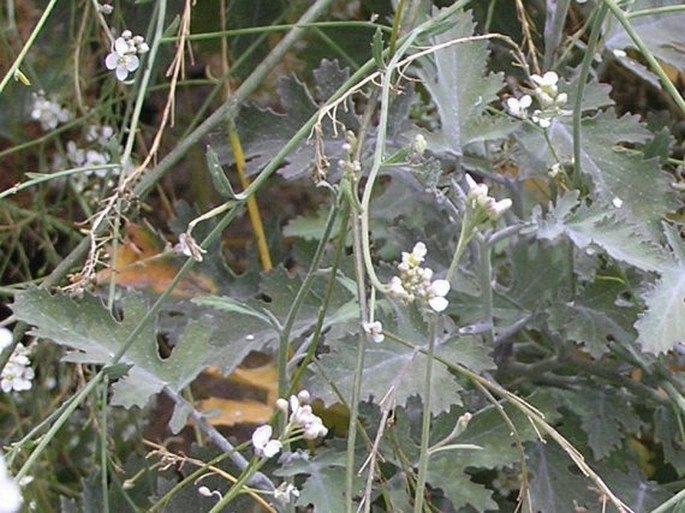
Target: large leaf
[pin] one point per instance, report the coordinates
(608, 229)
(325, 486)
(88, 327)
(619, 176)
(595, 317)
(606, 418)
(554, 485)
(394, 367)
(263, 132)
(461, 87)
(661, 33)
(242, 327)
(448, 470)
(662, 326)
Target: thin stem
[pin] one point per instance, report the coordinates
(646, 53)
(27, 46)
(301, 295)
(359, 363)
(582, 80)
(465, 237)
(426, 421)
(485, 271)
(104, 482)
(258, 479)
(152, 311)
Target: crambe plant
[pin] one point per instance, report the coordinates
(319, 257)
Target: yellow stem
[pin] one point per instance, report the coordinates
(239, 155)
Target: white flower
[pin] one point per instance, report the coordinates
(48, 112)
(76, 155)
(105, 8)
(96, 159)
(100, 133)
(617, 202)
(374, 330)
(122, 59)
(547, 82)
(497, 208)
(9, 491)
(419, 145)
(17, 374)
(477, 191)
(286, 492)
(541, 120)
(302, 417)
(518, 107)
(5, 338)
(263, 445)
(188, 247)
(437, 291)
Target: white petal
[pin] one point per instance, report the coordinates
(525, 101)
(261, 436)
(438, 303)
(419, 250)
(272, 448)
(440, 287)
(132, 62)
(550, 78)
(470, 181)
(122, 73)
(120, 46)
(112, 60)
(5, 338)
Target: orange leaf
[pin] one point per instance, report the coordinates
(231, 412)
(142, 262)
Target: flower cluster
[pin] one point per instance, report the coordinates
(483, 206)
(547, 94)
(49, 112)
(415, 282)
(123, 58)
(17, 374)
(301, 422)
(374, 330)
(9, 491)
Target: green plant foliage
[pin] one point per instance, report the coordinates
(324, 485)
(661, 33)
(95, 336)
(461, 87)
(395, 368)
(264, 131)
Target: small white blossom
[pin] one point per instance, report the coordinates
(5, 338)
(105, 8)
(17, 374)
(518, 107)
(303, 418)
(415, 282)
(101, 134)
(617, 202)
(420, 145)
(76, 155)
(188, 247)
(374, 330)
(122, 59)
(48, 112)
(286, 492)
(9, 491)
(541, 120)
(264, 445)
(437, 292)
(482, 204)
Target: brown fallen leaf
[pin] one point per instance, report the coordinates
(143, 262)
